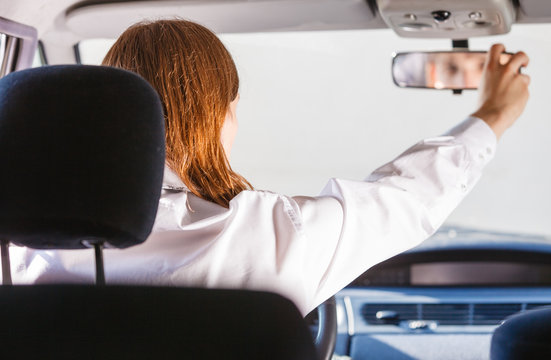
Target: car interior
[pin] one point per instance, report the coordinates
(329, 88)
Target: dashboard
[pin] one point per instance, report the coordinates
(443, 300)
(475, 267)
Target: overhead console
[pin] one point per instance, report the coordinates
(447, 18)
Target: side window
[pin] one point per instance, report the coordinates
(92, 51)
(9, 47)
(39, 56)
(2, 45)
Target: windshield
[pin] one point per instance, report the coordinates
(316, 105)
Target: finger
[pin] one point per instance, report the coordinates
(494, 54)
(525, 78)
(518, 60)
(505, 58)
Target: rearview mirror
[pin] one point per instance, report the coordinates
(440, 70)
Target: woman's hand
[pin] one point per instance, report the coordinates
(503, 91)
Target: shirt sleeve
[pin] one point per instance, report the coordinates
(354, 225)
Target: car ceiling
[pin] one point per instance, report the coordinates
(62, 23)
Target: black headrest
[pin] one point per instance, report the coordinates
(81, 156)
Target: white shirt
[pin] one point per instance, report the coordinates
(305, 248)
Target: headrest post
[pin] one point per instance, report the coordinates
(100, 274)
(6, 267)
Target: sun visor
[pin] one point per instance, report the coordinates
(235, 16)
(536, 8)
(448, 18)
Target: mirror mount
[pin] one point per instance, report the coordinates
(460, 45)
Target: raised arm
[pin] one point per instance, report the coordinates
(406, 200)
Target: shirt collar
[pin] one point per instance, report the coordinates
(172, 182)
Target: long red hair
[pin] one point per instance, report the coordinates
(196, 79)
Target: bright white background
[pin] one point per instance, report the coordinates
(316, 105)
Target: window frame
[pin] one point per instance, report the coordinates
(21, 45)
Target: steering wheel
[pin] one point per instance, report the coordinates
(326, 336)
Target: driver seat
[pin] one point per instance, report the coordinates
(82, 155)
(523, 335)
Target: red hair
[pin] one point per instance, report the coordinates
(196, 79)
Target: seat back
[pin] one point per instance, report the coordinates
(523, 336)
(118, 322)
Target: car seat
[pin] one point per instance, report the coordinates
(522, 336)
(82, 158)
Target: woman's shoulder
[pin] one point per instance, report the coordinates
(258, 194)
(186, 203)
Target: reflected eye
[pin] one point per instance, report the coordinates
(452, 68)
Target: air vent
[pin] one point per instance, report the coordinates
(443, 314)
(404, 312)
(447, 314)
(493, 314)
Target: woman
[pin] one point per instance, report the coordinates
(212, 230)
(197, 81)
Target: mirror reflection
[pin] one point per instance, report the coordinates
(440, 70)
